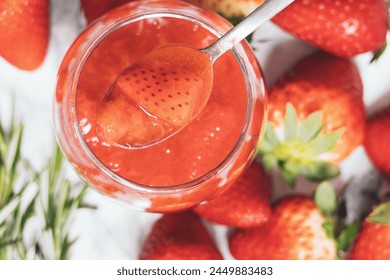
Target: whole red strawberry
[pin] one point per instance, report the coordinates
(373, 240)
(179, 236)
(343, 28)
(377, 140)
(244, 204)
(294, 232)
(319, 103)
(24, 29)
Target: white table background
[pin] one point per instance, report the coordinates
(114, 231)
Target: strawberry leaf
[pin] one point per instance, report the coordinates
(380, 214)
(289, 176)
(265, 146)
(311, 127)
(378, 53)
(326, 142)
(319, 171)
(270, 135)
(347, 236)
(325, 198)
(269, 161)
(289, 171)
(291, 122)
(328, 227)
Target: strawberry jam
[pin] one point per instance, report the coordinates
(155, 97)
(199, 160)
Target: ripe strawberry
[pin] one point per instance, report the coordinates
(244, 204)
(377, 140)
(324, 121)
(343, 28)
(373, 240)
(158, 95)
(93, 9)
(294, 232)
(24, 29)
(233, 8)
(179, 236)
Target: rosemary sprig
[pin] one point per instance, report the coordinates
(16, 204)
(57, 208)
(46, 197)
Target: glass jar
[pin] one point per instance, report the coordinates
(113, 42)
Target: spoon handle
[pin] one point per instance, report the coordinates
(258, 17)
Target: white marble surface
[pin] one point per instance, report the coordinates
(114, 231)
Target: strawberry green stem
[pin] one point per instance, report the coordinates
(381, 214)
(299, 151)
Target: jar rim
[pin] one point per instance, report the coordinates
(238, 52)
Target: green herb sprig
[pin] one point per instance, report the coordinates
(17, 206)
(57, 207)
(46, 197)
